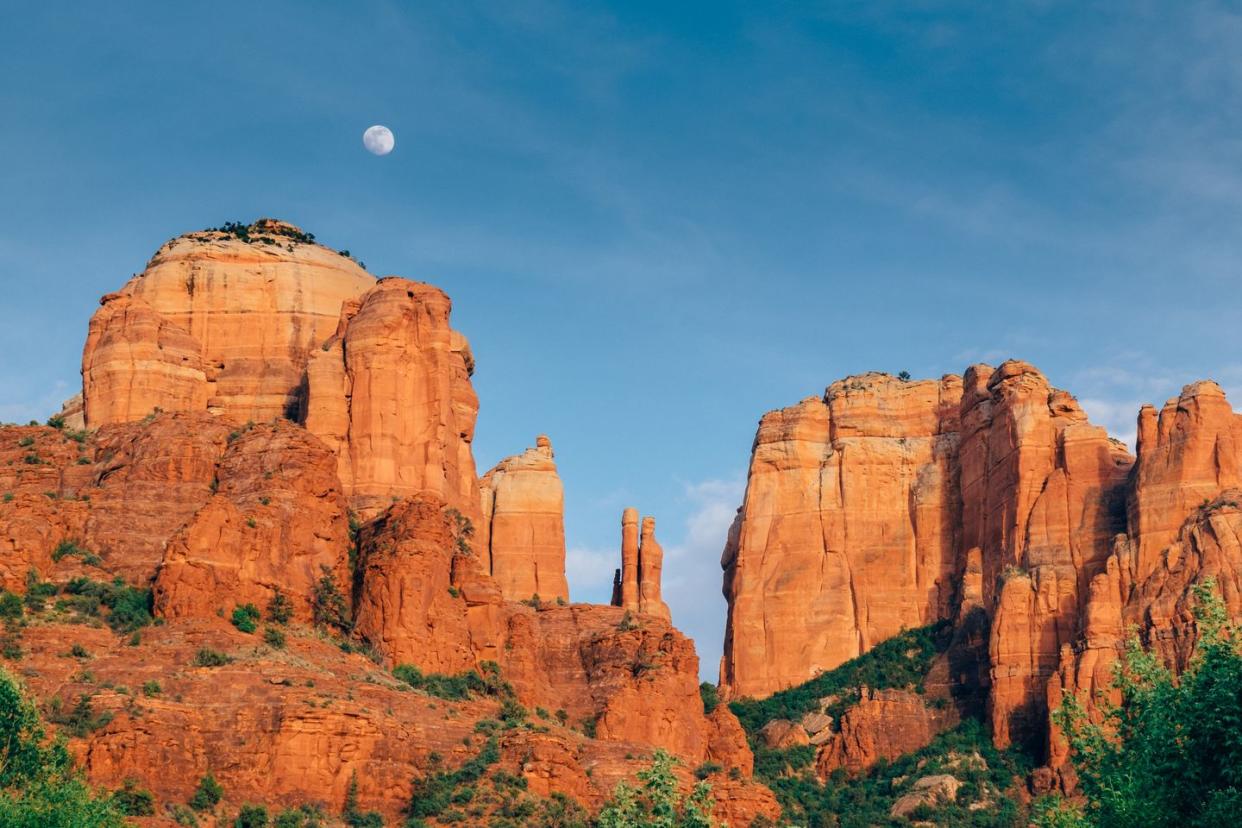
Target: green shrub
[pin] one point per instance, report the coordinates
(452, 688)
(26, 442)
(79, 721)
(208, 793)
(274, 638)
(78, 651)
(207, 657)
(11, 605)
(38, 783)
(707, 769)
(658, 801)
(280, 608)
(433, 793)
(246, 618)
(132, 800)
(184, 816)
(900, 661)
(710, 695)
(151, 688)
(251, 816)
(352, 815)
(1169, 755)
(328, 606)
(304, 816)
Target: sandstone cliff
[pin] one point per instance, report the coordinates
(279, 440)
(1047, 539)
(847, 533)
(220, 320)
(524, 512)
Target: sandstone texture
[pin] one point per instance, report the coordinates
(264, 425)
(524, 512)
(884, 724)
(847, 533)
(219, 321)
(637, 584)
(989, 501)
(389, 392)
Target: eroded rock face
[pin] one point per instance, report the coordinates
(884, 724)
(1042, 495)
(847, 532)
(1186, 475)
(636, 585)
(390, 393)
(217, 323)
(524, 511)
(276, 523)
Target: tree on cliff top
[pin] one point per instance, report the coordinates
(39, 787)
(1170, 754)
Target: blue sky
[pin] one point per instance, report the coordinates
(659, 220)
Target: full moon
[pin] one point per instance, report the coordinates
(378, 140)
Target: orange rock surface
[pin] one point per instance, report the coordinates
(524, 512)
(884, 724)
(390, 393)
(847, 531)
(637, 584)
(217, 322)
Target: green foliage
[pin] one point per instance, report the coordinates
(151, 689)
(11, 605)
(56, 421)
(246, 618)
(328, 607)
(1170, 754)
(39, 787)
(129, 608)
(710, 695)
(463, 531)
(81, 719)
(274, 637)
(132, 800)
(707, 769)
(208, 793)
(352, 815)
(73, 548)
(280, 609)
(251, 816)
(627, 622)
(864, 800)
(433, 793)
(26, 442)
(207, 657)
(658, 803)
(304, 816)
(901, 661)
(904, 376)
(453, 688)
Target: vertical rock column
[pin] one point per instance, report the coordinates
(629, 560)
(650, 565)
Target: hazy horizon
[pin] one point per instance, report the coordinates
(657, 223)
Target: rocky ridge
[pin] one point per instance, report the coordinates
(274, 439)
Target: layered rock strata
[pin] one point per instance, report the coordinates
(524, 512)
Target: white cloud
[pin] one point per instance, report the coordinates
(692, 577)
(590, 572)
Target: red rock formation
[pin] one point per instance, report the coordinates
(524, 512)
(390, 393)
(1186, 473)
(847, 531)
(884, 724)
(277, 523)
(217, 322)
(136, 362)
(629, 561)
(650, 572)
(636, 585)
